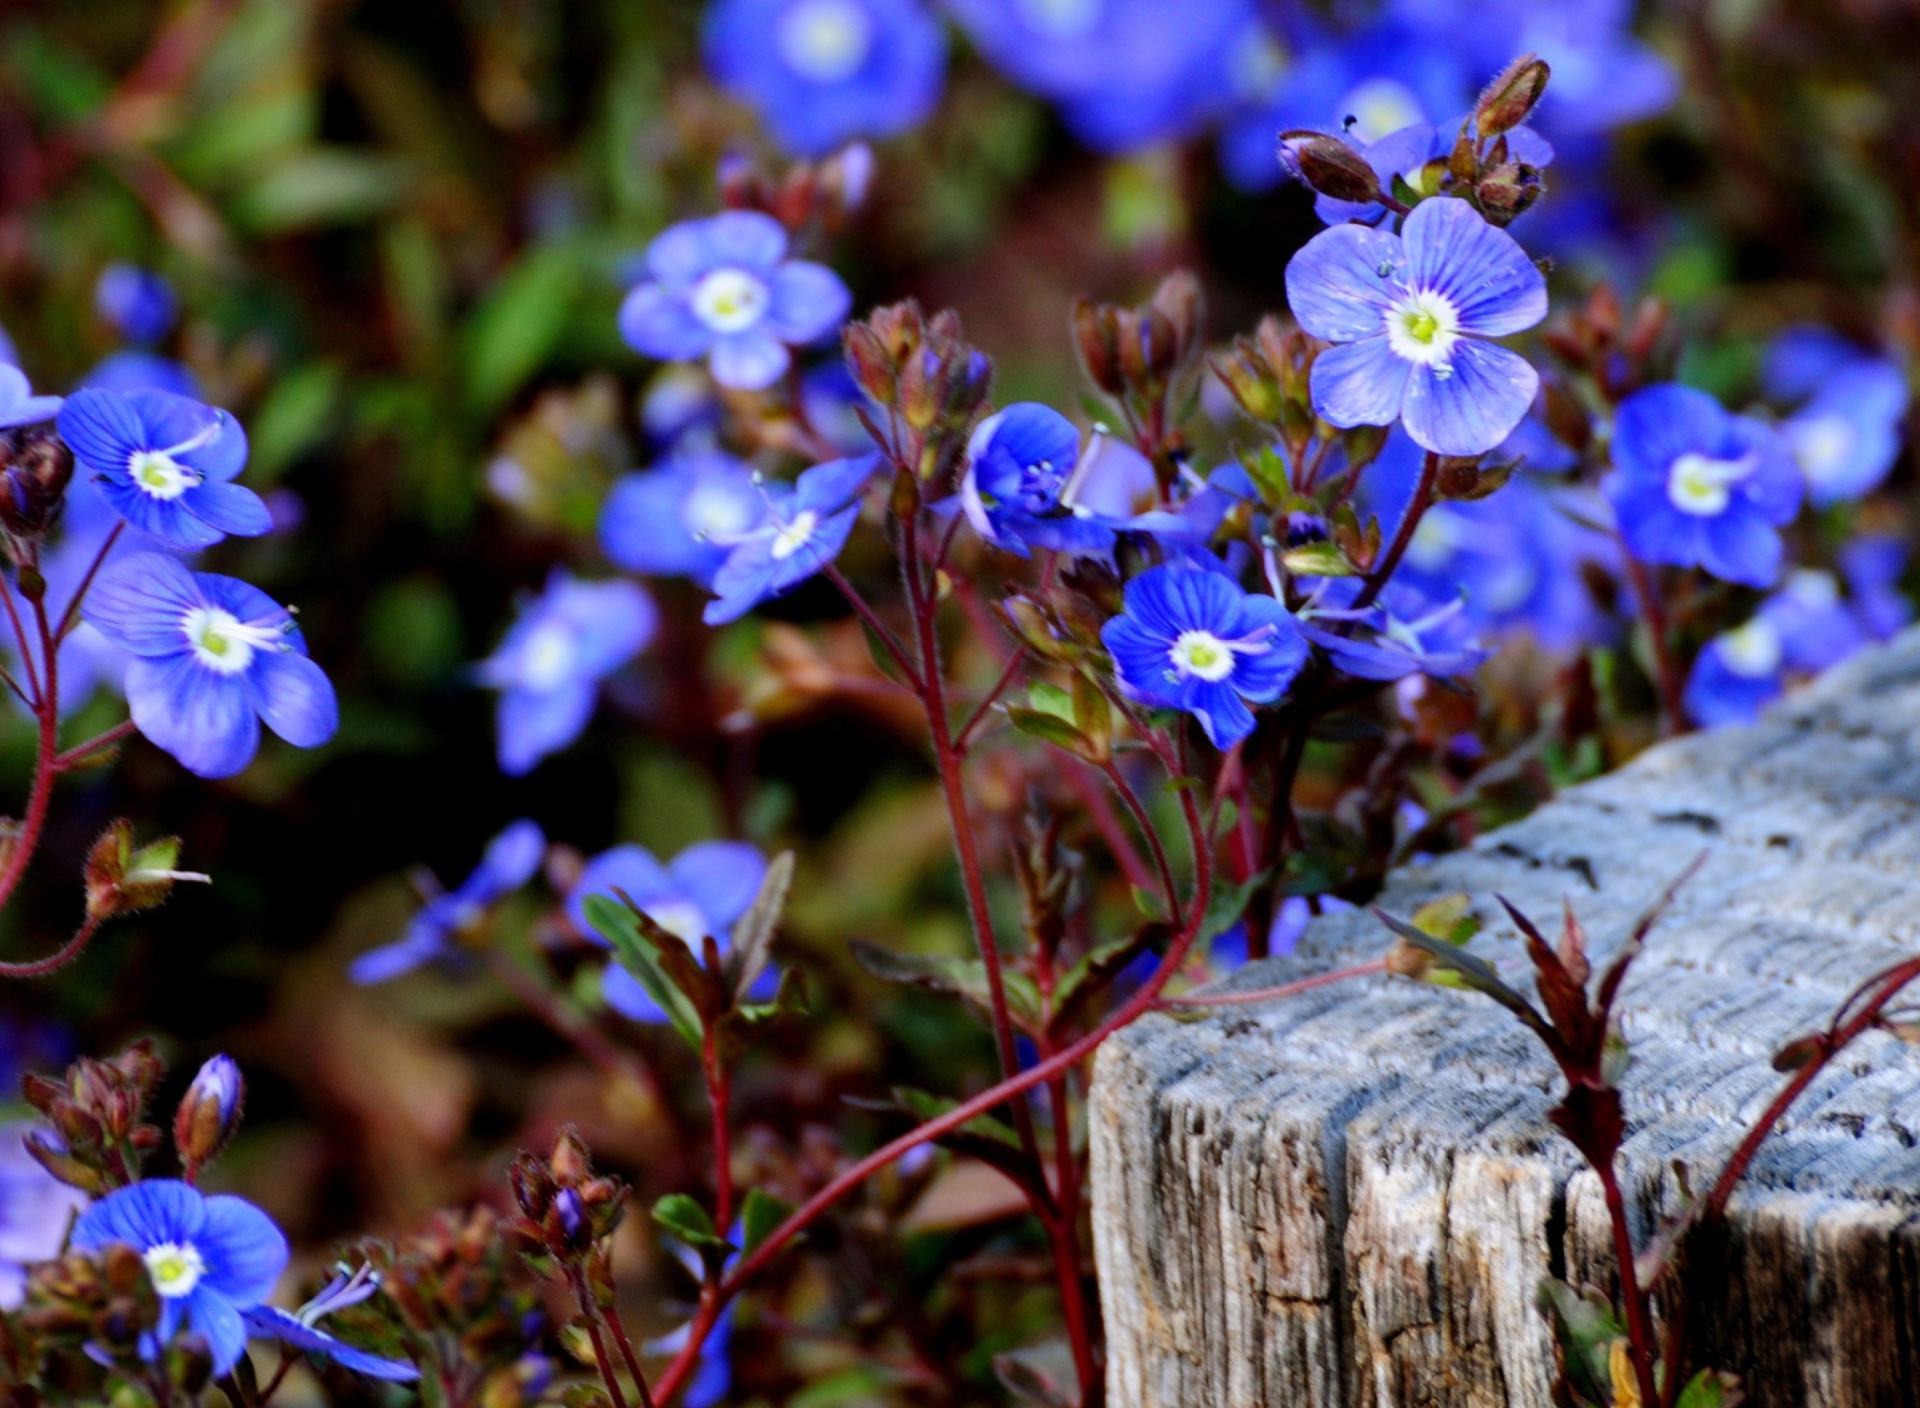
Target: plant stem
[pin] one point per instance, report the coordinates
(80, 752)
(618, 1330)
(1138, 811)
(54, 962)
(1632, 1295)
(868, 617)
(609, 1372)
(1666, 668)
(47, 710)
(1241, 999)
(1417, 507)
(718, 1083)
(569, 1025)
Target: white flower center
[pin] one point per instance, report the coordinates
(225, 644)
(1380, 107)
(790, 539)
(681, 918)
(546, 661)
(1702, 485)
(825, 41)
(1824, 445)
(159, 475)
(1422, 327)
(730, 300)
(1753, 651)
(1202, 654)
(1062, 19)
(175, 1268)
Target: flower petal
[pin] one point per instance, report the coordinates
(1483, 272)
(1222, 714)
(809, 301)
(748, 361)
(625, 995)
(204, 719)
(138, 603)
(271, 1322)
(141, 1216)
(167, 520)
(294, 698)
(629, 868)
(656, 321)
(1741, 546)
(229, 508)
(532, 725)
(213, 1316)
(1360, 383)
(721, 878)
(245, 1253)
(1483, 395)
(510, 860)
(1341, 283)
(101, 429)
(1658, 424)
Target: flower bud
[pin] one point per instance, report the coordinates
(1506, 192)
(122, 880)
(1093, 336)
(209, 1112)
(1511, 96)
(1331, 167)
(35, 467)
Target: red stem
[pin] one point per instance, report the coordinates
(1666, 668)
(80, 751)
(47, 708)
(619, 1332)
(1107, 822)
(1632, 1295)
(1066, 1236)
(54, 962)
(609, 1372)
(1241, 999)
(1138, 811)
(718, 1090)
(1403, 535)
(895, 650)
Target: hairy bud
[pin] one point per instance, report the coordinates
(35, 468)
(123, 880)
(566, 1211)
(1511, 96)
(1331, 167)
(208, 1113)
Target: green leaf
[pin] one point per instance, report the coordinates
(620, 927)
(1709, 1389)
(753, 935)
(295, 416)
(1050, 699)
(686, 1221)
(515, 329)
(1586, 1327)
(321, 186)
(1269, 472)
(1322, 559)
(760, 1214)
(1051, 728)
(1228, 903)
(959, 977)
(1094, 714)
(1449, 918)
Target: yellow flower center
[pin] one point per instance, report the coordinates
(175, 1268)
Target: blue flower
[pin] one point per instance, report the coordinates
(821, 72)
(549, 667)
(34, 1210)
(676, 520)
(510, 860)
(1873, 567)
(1694, 486)
(213, 657)
(1408, 313)
(700, 893)
(679, 408)
(136, 369)
(723, 289)
(164, 463)
(1017, 490)
(803, 530)
(829, 395)
(138, 303)
(1405, 632)
(1847, 435)
(300, 1329)
(1126, 73)
(18, 405)
(210, 1259)
(1803, 628)
(1193, 640)
(1405, 154)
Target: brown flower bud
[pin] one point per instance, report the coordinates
(1331, 167)
(35, 468)
(1094, 337)
(1507, 100)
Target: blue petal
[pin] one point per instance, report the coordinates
(510, 860)
(1360, 383)
(532, 725)
(248, 603)
(219, 459)
(138, 602)
(1493, 286)
(830, 487)
(1222, 715)
(748, 361)
(744, 580)
(102, 430)
(809, 301)
(745, 239)
(629, 868)
(168, 520)
(229, 508)
(1658, 424)
(211, 1314)
(657, 321)
(245, 1253)
(293, 697)
(721, 878)
(270, 1322)
(625, 995)
(1741, 546)
(204, 719)
(1342, 282)
(142, 1216)
(1484, 395)
(616, 620)
(1141, 658)
(389, 961)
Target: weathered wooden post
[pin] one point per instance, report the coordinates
(1350, 1196)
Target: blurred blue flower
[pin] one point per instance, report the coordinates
(1126, 73)
(829, 394)
(209, 1259)
(803, 530)
(1017, 489)
(35, 1208)
(821, 72)
(1873, 566)
(677, 519)
(1847, 435)
(510, 860)
(678, 405)
(136, 369)
(700, 893)
(138, 303)
(1408, 314)
(549, 667)
(723, 289)
(18, 405)
(213, 657)
(1404, 632)
(1193, 640)
(1803, 628)
(1694, 486)
(163, 463)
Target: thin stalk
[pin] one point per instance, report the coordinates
(1066, 1235)
(1106, 821)
(1138, 811)
(72, 616)
(1640, 1339)
(869, 618)
(1666, 668)
(47, 709)
(54, 962)
(1242, 999)
(615, 1327)
(82, 751)
(563, 1021)
(718, 1094)
(962, 739)
(609, 1372)
(1403, 535)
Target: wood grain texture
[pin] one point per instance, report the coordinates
(1350, 1196)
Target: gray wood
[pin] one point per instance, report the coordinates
(1350, 1196)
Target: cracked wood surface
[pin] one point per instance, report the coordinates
(1350, 1196)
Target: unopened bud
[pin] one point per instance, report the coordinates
(1507, 192)
(122, 880)
(35, 467)
(1331, 167)
(1510, 97)
(1094, 338)
(209, 1112)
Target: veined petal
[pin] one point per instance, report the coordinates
(294, 698)
(211, 1314)
(229, 508)
(139, 603)
(168, 520)
(223, 456)
(141, 1216)
(1658, 424)
(1222, 714)
(809, 301)
(101, 429)
(1493, 286)
(657, 321)
(205, 720)
(244, 1252)
(1360, 383)
(1484, 394)
(1341, 283)
(271, 1322)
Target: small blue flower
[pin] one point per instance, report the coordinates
(164, 463)
(803, 530)
(510, 860)
(1873, 567)
(723, 289)
(549, 667)
(1408, 314)
(1193, 640)
(1405, 632)
(701, 893)
(136, 369)
(138, 303)
(1694, 486)
(1802, 629)
(18, 405)
(677, 520)
(34, 1210)
(300, 1329)
(822, 72)
(210, 1259)
(1018, 487)
(679, 409)
(213, 657)
(829, 394)
(1847, 435)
